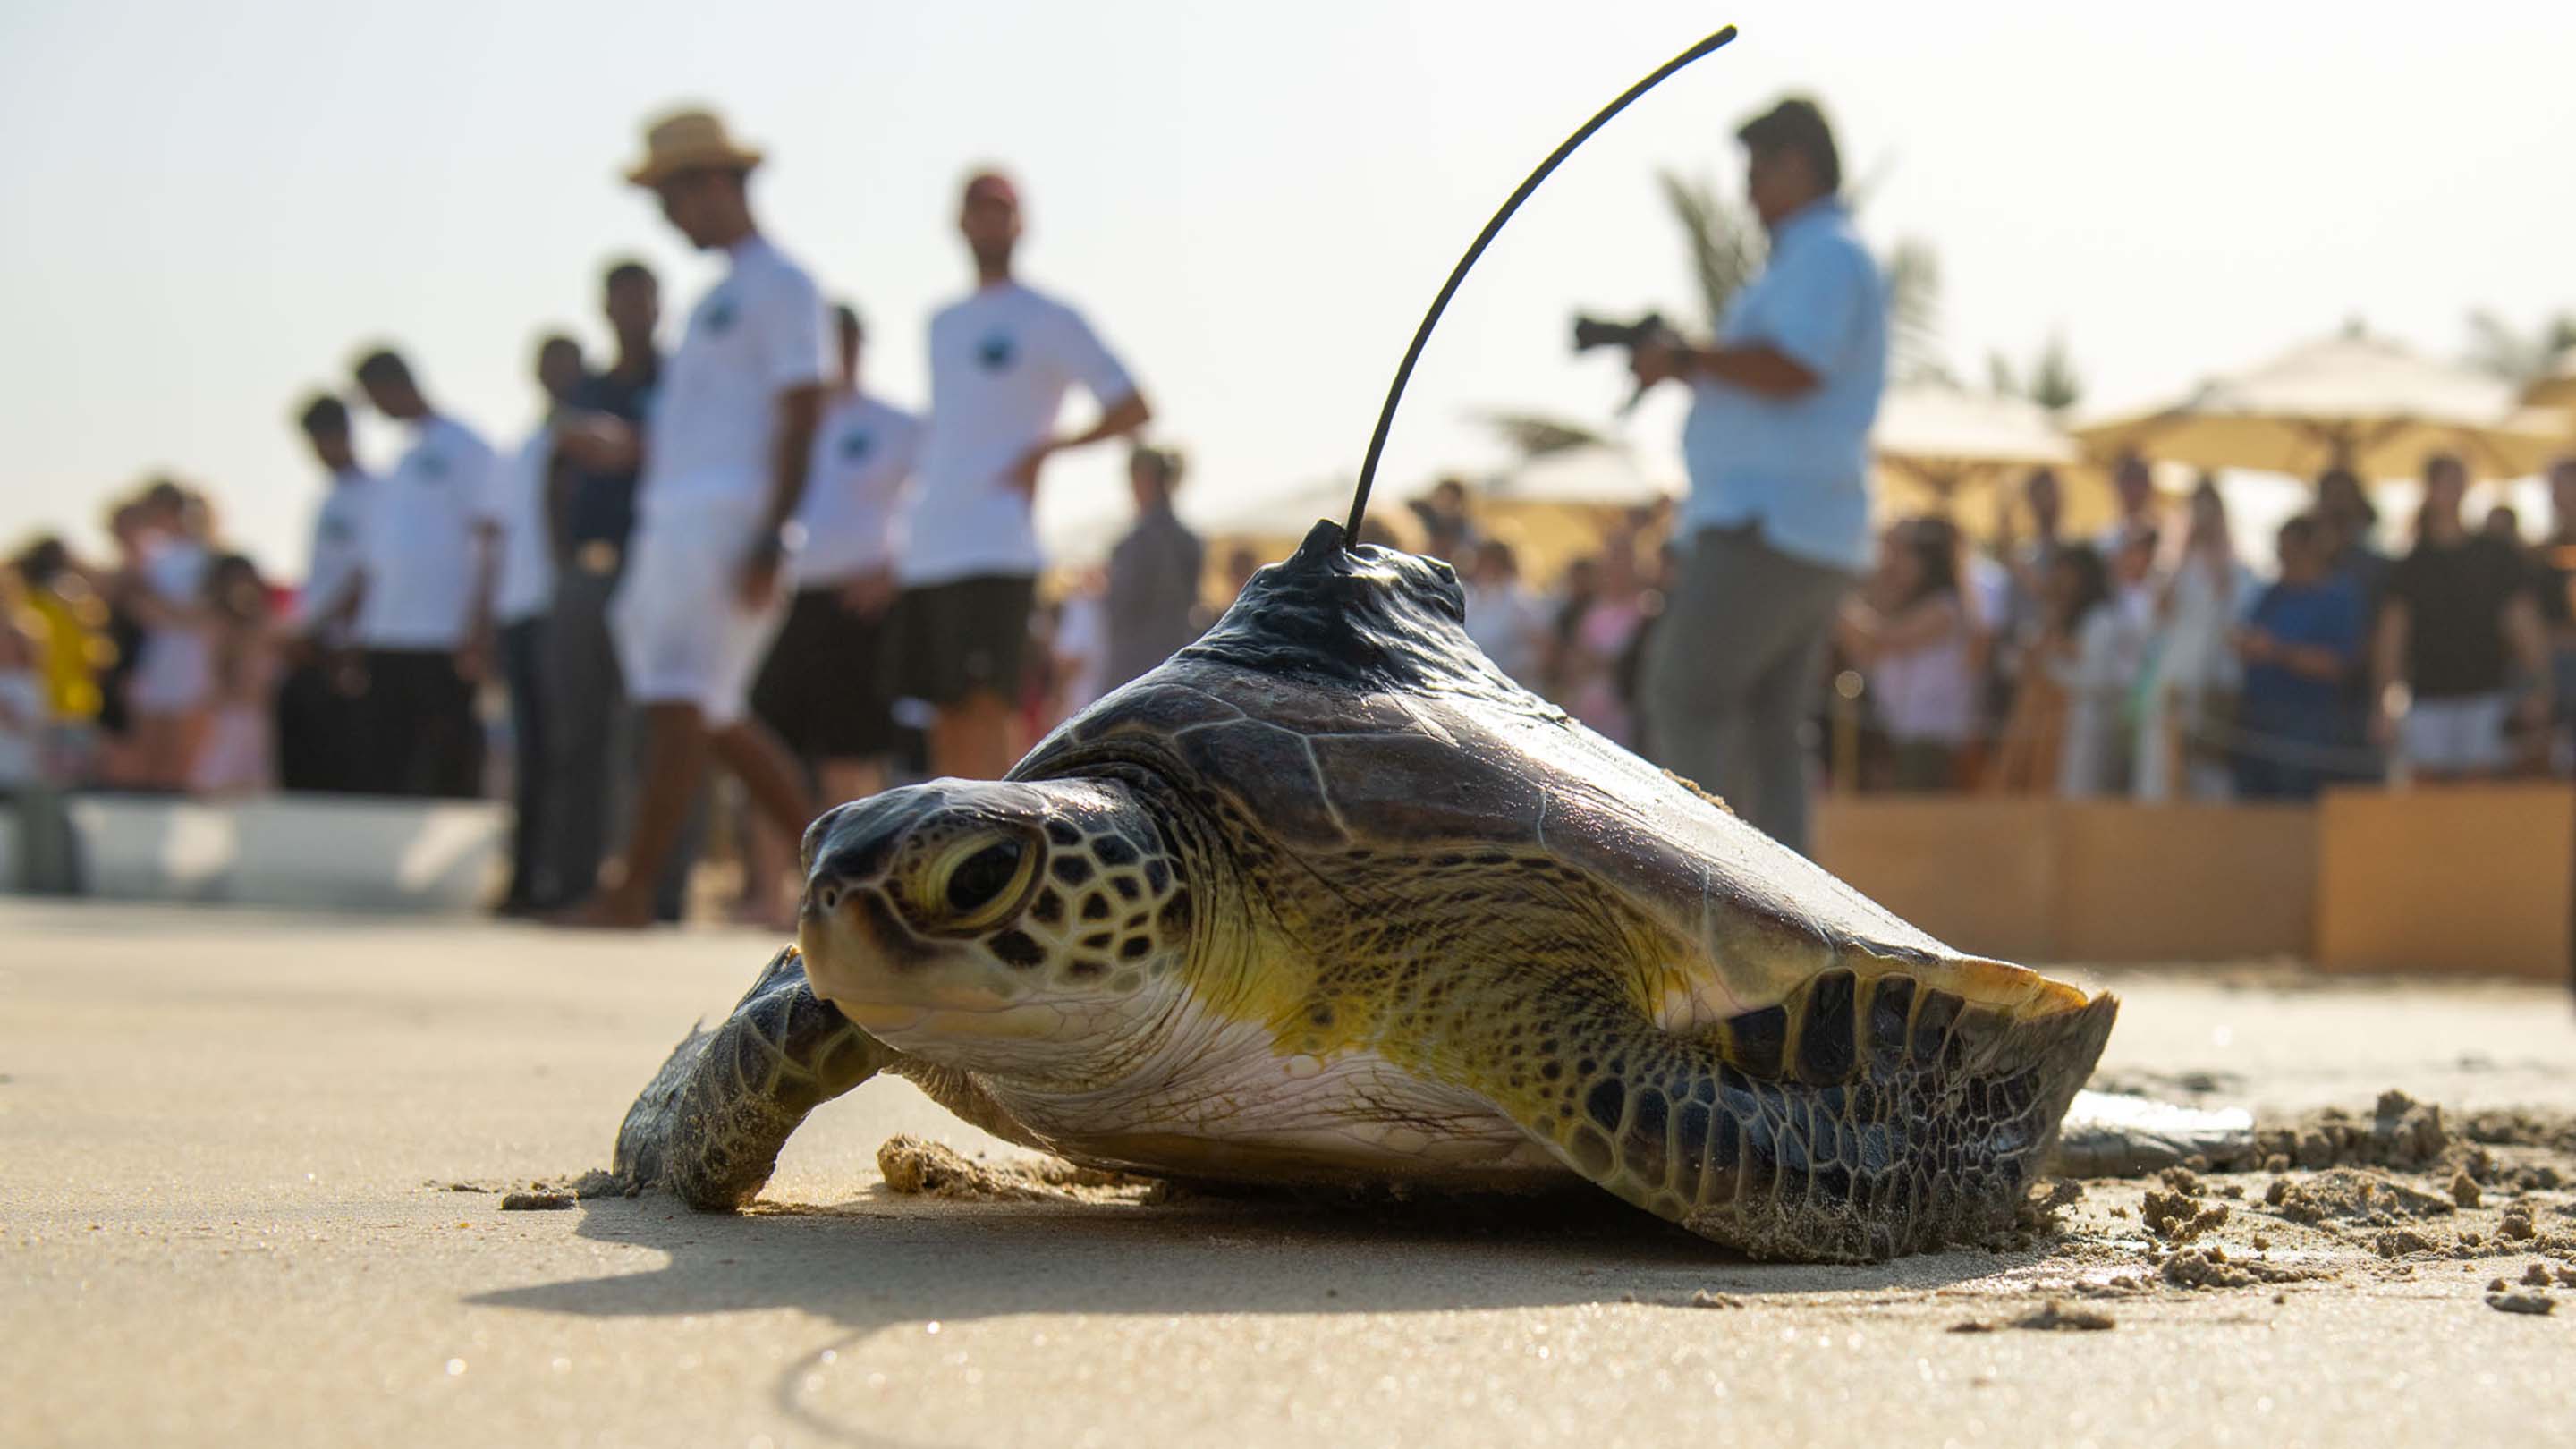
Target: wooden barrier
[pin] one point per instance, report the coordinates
(2475, 879)
(2031, 879)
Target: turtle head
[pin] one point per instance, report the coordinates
(997, 926)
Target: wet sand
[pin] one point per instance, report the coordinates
(251, 1173)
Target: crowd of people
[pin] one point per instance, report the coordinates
(735, 558)
(731, 554)
(2150, 661)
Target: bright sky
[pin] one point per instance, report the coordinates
(214, 206)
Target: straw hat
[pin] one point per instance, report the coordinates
(689, 140)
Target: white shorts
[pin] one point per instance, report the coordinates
(2457, 736)
(683, 635)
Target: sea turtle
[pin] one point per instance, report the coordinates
(1328, 898)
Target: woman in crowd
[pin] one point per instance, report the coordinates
(2190, 684)
(2091, 653)
(1913, 634)
(1595, 638)
(243, 654)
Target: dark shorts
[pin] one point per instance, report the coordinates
(957, 638)
(822, 688)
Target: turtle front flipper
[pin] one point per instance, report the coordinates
(1859, 1119)
(710, 1124)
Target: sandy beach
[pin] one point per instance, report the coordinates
(255, 1165)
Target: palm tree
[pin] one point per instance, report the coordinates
(2053, 381)
(1726, 245)
(2499, 348)
(1539, 435)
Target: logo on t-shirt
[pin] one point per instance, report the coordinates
(855, 446)
(720, 314)
(433, 468)
(996, 351)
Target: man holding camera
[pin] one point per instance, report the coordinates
(1776, 527)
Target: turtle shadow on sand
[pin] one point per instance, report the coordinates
(879, 1261)
(883, 1259)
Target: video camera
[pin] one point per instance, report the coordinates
(1593, 332)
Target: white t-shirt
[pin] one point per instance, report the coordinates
(419, 550)
(759, 332)
(1000, 363)
(515, 503)
(337, 557)
(1082, 640)
(863, 455)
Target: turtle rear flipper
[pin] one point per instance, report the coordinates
(710, 1124)
(1860, 1120)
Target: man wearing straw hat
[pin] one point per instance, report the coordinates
(723, 458)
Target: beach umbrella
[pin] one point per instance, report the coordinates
(2355, 401)
(1947, 438)
(1941, 448)
(2556, 387)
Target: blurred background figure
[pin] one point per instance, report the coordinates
(2301, 644)
(2460, 653)
(1076, 643)
(425, 569)
(1240, 565)
(1912, 631)
(67, 620)
(2093, 655)
(1448, 528)
(1154, 573)
(596, 737)
(168, 692)
(825, 689)
(1777, 451)
(517, 523)
(237, 757)
(1001, 361)
(1595, 637)
(321, 699)
(1503, 617)
(2189, 688)
(2554, 577)
(2133, 489)
(24, 714)
(731, 434)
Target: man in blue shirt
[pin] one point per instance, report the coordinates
(1776, 528)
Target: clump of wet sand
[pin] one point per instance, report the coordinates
(2398, 1191)
(917, 1167)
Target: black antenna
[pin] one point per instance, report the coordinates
(1430, 319)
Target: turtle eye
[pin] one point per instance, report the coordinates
(982, 878)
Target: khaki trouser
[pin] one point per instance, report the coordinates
(1732, 674)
